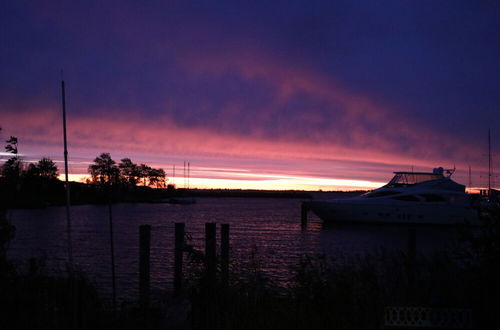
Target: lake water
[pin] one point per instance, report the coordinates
(271, 227)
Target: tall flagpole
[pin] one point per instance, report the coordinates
(490, 165)
(68, 216)
(470, 179)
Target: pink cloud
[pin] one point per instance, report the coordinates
(364, 139)
(364, 123)
(161, 140)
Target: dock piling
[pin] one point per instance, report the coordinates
(209, 293)
(210, 251)
(144, 267)
(224, 254)
(178, 254)
(304, 208)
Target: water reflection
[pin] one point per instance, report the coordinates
(269, 227)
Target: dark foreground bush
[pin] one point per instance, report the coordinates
(32, 299)
(353, 293)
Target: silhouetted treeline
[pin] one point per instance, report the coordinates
(37, 185)
(104, 170)
(33, 184)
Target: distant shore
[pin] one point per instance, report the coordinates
(52, 194)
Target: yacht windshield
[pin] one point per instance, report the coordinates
(408, 178)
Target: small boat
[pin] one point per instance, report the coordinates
(183, 194)
(409, 198)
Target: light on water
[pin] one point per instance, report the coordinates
(269, 227)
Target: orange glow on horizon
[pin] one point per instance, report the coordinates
(75, 177)
(260, 182)
(289, 183)
(227, 160)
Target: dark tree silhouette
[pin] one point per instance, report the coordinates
(7, 230)
(129, 171)
(104, 169)
(13, 167)
(11, 145)
(47, 168)
(157, 177)
(144, 171)
(32, 171)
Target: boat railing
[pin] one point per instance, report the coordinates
(425, 317)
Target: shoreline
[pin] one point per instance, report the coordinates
(53, 194)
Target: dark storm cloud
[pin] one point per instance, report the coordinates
(413, 78)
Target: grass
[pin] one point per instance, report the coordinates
(342, 293)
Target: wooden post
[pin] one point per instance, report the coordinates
(112, 252)
(224, 254)
(412, 264)
(144, 266)
(210, 252)
(179, 247)
(209, 295)
(304, 208)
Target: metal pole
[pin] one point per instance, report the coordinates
(490, 165)
(68, 215)
(470, 180)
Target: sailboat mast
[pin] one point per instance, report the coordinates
(470, 179)
(189, 172)
(184, 174)
(68, 215)
(490, 165)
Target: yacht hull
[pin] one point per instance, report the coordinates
(355, 212)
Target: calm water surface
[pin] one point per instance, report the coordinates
(271, 227)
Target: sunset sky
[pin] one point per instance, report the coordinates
(257, 94)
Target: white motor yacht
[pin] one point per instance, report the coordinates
(409, 198)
